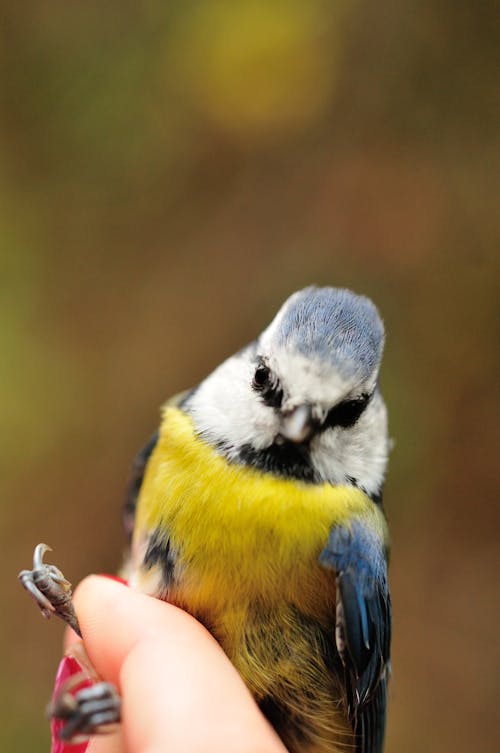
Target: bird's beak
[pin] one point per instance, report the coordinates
(297, 424)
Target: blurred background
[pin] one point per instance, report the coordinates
(170, 173)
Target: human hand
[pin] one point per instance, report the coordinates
(180, 693)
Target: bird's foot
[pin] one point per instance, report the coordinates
(50, 589)
(88, 711)
(81, 706)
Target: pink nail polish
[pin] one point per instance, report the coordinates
(68, 667)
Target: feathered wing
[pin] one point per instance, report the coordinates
(138, 470)
(363, 627)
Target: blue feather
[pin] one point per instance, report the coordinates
(336, 326)
(357, 555)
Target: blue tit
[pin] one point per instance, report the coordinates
(257, 507)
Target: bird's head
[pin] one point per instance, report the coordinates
(302, 400)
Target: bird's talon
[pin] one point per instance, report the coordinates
(38, 554)
(50, 589)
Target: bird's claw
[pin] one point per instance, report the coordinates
(50, 589)
(86, 712)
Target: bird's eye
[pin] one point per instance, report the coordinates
(267, 385)
(261, 377)
(346, 413)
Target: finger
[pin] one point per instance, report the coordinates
(197, 702)
(114, 617)
(180, 691)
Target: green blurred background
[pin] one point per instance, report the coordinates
(170, 172)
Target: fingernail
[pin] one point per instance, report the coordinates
(68, 667)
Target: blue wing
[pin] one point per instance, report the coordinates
(363, 627)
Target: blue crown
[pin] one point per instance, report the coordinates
(336, 326)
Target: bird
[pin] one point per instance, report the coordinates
(257, 507)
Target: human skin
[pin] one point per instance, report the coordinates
(180, 692)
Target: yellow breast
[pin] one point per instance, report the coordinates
(237, 532)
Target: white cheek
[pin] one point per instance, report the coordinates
(360, 453)
(225, 407)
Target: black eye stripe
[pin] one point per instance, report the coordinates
(346, 413)
(273, 396)
(265, 382)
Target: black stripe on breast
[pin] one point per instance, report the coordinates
(160, 553)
